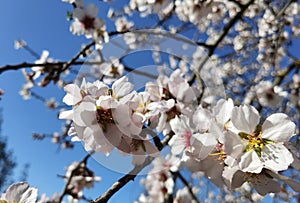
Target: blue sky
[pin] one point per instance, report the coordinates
(43, 25)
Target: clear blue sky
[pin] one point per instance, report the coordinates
(43, 25)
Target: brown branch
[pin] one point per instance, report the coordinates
(59, 65)
(129, 176)
(185, 182)
(156, 140)
(138, 72)
(284, 9)
(212, 48)
(228, 26)
(74, 59)
(66, 190)
(283, 73)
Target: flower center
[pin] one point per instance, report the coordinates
(219, 152)
(114, 71)
(270, 94)
(255, 141)
(104, 116)
(88, 22)
(172, 113)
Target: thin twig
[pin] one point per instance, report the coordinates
(185, 182)
(32, 52)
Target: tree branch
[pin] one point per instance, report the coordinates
(66, 190)
(185, 182)
(59, 65)
(212, 48)
(129, 176)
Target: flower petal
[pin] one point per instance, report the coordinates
(121, 87)
(276, 157)
(91, 10)
(30, 195)
(73, 95)
(245, 118)
(266, 185)
(278, 128)
(66, 114)
(177, 144)
(15, 191)
(250, 162)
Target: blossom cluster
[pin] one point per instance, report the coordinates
(224, 141)
(236, 147)
(86, 22)
(78, 177)
(232, 145)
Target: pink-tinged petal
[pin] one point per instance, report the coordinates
(278, 128)
(245, 118)
(73, 95)
(66, 114)
(15, 191)
(276, 157)
(250, 162)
